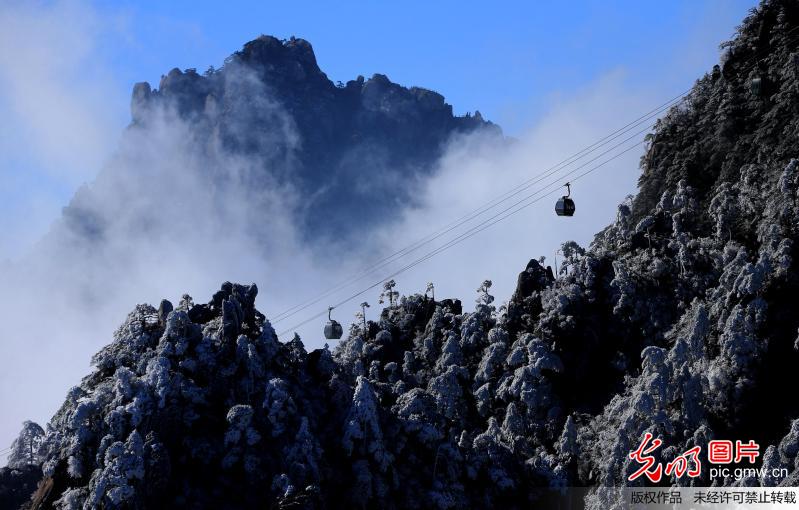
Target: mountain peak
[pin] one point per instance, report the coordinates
(335, 137)
(291, 59)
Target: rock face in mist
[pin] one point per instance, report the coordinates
(680, 320)
(352, 152)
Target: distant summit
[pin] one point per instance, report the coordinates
(352, 148)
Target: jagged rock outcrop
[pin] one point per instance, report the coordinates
(679, 320)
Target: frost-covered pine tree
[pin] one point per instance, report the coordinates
(363, 441)
(389, 294)
(26, 448)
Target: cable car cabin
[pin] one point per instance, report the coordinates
(333, 329)
(565, 205)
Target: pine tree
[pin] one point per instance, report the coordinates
(26, 448)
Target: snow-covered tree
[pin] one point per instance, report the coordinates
(26, 448)
(389, 294)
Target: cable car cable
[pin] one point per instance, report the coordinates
(477, 212)
(457, 240)
(542, 176)
(452, 226)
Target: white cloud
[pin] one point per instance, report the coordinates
(61, 108)
(176, 214)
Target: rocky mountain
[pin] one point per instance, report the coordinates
(353, 152)
(679, 320)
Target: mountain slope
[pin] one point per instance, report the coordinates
(678, 320)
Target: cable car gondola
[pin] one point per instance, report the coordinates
(333, 329)
(565, 205)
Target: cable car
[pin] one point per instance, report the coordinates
(756, 86)
(565, 205)
(333, 329)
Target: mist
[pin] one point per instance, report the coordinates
(61, 103)
(171, 212)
